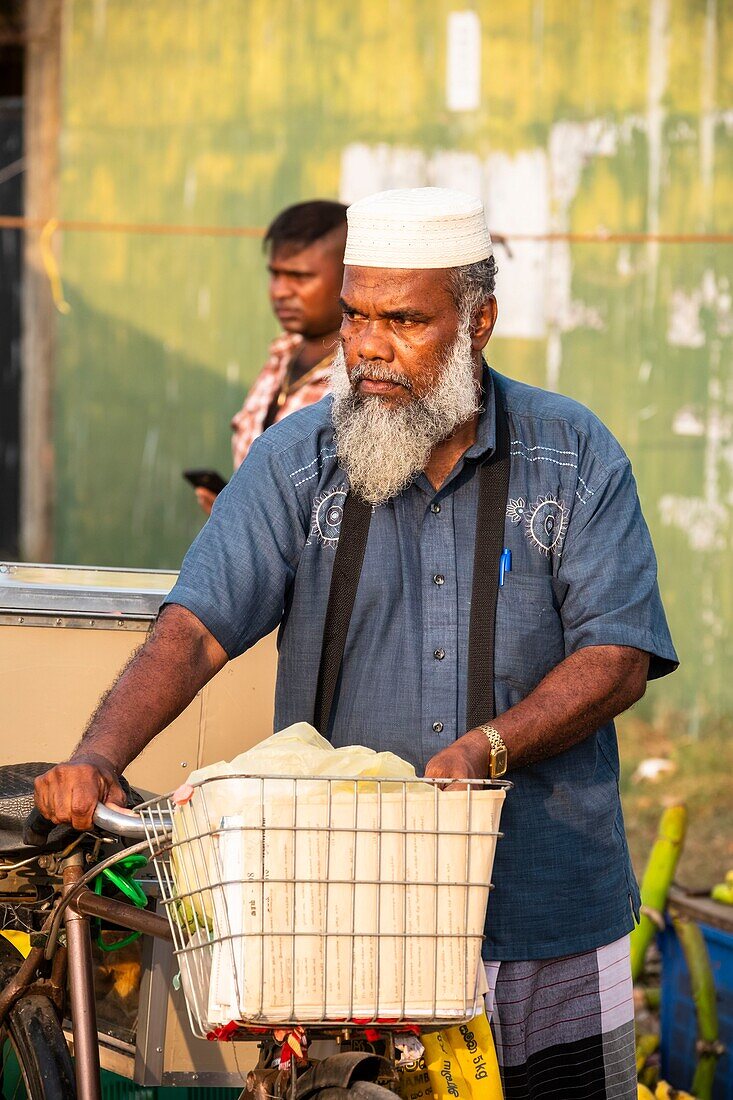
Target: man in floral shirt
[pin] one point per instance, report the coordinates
(305, 244)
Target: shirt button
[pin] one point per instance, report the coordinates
(437, 727)
(439, 654)
(439, 579)
(435, 509)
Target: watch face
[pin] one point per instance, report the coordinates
(498, 763)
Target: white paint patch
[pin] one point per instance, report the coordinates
(204, 302)
(685, 327)
(99, 19)
(553, 361)
(707, 101)
(705, 524)
(369, 168)
(517, 201)
(572, 146)
(688, 422)
(717, 296)
(190, 186)
(645, 371)
(232, 372)
(683, 324)
(624, 266)
(462, 170)
(706, 519)
(655, 113)
(463, 62)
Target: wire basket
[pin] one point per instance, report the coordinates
(330, 902)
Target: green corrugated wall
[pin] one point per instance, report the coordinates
(614, 116)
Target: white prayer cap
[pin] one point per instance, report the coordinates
(417, 227)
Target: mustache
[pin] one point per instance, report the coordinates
(380, 373)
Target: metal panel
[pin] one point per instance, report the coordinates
(50, 682)
(55, 665)
(195, 1061)
(155, 984)
(69, 590)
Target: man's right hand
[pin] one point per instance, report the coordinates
(69, 793)
(206, 498)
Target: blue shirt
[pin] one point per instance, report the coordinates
(583, 573)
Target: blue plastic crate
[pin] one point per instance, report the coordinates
(678, 1022)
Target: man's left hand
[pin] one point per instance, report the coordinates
(466, 758)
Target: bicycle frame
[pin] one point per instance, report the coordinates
(79, 905)
(87, 904)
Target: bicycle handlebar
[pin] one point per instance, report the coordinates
(119, 824)
(37, 828)
(129, 826)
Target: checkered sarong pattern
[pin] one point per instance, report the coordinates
(564, 1028)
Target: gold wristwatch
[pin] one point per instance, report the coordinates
(498, 758)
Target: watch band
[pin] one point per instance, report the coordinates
(498, 759)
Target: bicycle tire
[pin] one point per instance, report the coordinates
(35, 1035)
(360, 1090)
(369, 1090)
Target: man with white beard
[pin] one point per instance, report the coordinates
(501, 608)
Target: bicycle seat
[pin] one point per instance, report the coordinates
(16, 802)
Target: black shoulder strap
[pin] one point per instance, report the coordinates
(493, 490)
(490, 519)
(344, 583)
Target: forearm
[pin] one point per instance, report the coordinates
(157, 684)
(582, 693)
(586, 690)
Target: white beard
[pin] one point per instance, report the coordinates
(383, 448)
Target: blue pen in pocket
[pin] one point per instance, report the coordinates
(505, 565)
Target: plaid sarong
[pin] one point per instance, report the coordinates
(564, 1028)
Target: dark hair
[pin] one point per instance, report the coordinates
(298, 226)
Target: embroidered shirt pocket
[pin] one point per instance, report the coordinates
(529, 631)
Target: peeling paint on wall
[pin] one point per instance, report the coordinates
(614, 116)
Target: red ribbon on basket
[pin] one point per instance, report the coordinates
(294, 1046)
(372, 1033)
(224, 1033)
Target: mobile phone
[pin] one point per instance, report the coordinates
(205, 479)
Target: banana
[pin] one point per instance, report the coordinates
(643, 1093)
(645, 1047)
(666, 1092)
(723, 892)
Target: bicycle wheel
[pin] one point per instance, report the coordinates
(36, 1064)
